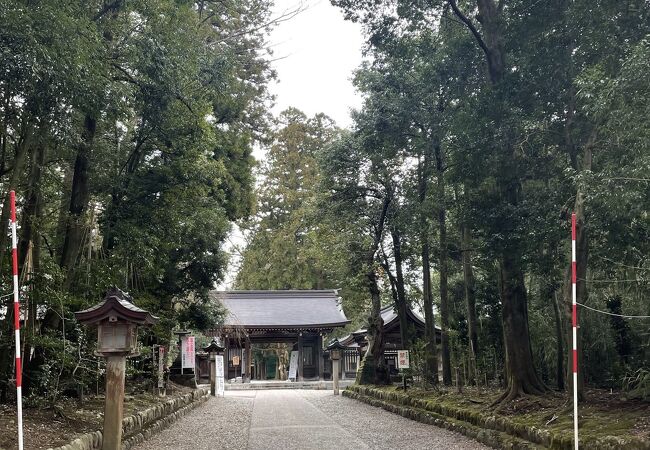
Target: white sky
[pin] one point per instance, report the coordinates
(315, 54)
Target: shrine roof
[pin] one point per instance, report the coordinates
(290, 309)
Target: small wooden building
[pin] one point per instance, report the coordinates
(298, 318)
(392, 338)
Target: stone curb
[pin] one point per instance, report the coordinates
(144, 424)
(507, 430)
(492, 438)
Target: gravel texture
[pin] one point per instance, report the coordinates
(380, 429)
(220, 423)
(299, 419)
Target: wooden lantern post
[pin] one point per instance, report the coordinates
(335, 349)
(213, 350)
(117, 319)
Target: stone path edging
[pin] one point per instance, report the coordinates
(142, 425)
(498, 432)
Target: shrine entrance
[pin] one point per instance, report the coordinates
(278, 335)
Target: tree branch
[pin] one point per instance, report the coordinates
(470, 25)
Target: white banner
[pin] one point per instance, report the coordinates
(293, 365)
(188, 356)
(220, 381)
(403, 359)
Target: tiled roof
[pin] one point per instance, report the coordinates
(282, 309)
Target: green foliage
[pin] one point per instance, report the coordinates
(127, 130)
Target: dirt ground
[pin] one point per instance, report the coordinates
(53, 426)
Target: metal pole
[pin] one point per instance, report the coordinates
(574, 319)
(19, 371)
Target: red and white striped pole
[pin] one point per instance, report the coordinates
(574, 320)
(19, 371)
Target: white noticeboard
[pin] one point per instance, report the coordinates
(293, 365)
(403, 359)
(187, 352)
(220, 380)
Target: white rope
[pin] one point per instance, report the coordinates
(612, 314)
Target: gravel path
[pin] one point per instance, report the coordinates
(299, 419)
(220, 423)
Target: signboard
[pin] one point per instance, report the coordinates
(403, 359)
(235, 360)
(161, 367)
(188, 356)
(220, 380)
(293, 365)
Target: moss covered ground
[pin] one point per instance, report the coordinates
(603, 415)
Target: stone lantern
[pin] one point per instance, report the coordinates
(117, 320)
(216, 367)
(336, 351)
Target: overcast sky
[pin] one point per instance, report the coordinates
(316, 53)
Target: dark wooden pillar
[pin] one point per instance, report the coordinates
(321, 361)
(246, 362)
(300, 358)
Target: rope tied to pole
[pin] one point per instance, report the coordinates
(624, 316)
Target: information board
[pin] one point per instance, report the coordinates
(403, 359)
(220, 375)
(188, 356)
(293, 365)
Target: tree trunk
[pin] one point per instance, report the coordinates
(470, 294)
(373, 370)
(79, 199)
(560, 343)
(443, 257)
(401, 303)
(520, 371)
(431, 350)
(32, 216)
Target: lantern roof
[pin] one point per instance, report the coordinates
(336, 345)
(118, 304)
(213, 347)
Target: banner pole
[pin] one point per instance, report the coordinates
(574, 320)
(19, 371)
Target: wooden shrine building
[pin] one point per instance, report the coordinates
(392, 339)
(298, 318)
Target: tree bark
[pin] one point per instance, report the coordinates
(560, 343)
(30, 236)
(470, 293)
(444, 269)
(373, 370)
(431, 350)
(79, 198)
(520, 372)
(402, 302)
